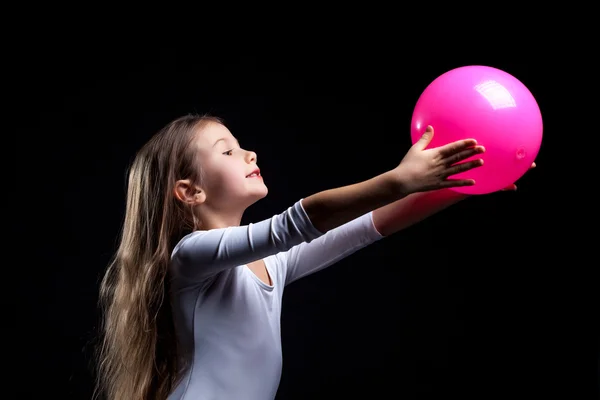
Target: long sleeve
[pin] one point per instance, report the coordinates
(202, 254)
(310, 257)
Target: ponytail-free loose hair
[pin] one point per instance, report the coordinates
(137, 358)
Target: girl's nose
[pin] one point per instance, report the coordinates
(251, 157)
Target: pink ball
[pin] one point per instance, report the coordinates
(494, 108)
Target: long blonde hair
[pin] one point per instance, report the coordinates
(137, 357)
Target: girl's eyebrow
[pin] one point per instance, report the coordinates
(225, 139)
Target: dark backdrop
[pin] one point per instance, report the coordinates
(466, 303)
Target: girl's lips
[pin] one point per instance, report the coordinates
(254, 174)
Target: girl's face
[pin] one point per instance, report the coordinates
(230, 175)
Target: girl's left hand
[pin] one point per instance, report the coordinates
(513, 187)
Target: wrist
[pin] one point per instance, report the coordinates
(397, 184)
(400, 182)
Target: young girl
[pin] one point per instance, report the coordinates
(192, 300)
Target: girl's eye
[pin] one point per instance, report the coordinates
(229, 152)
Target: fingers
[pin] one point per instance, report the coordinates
(450, 149)
(458, 168)
(425, 138)
(464, 154)
(462, 167)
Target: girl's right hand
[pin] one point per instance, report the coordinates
(424, 169)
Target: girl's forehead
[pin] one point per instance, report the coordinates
(212, 132)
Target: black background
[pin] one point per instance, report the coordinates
(474, 302)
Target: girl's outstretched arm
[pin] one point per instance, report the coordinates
(416, 207)
(338, 243)
(421, 170)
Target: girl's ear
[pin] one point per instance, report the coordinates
(189, 194)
